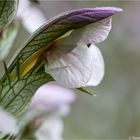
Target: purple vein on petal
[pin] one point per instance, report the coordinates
(91, 15)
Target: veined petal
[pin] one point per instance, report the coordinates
(73, 68)
(93, 33)
(97, 66)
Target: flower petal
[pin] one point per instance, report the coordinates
(51, 128)
(73, 68)
(7, 123)
(93, 33)
(50, 97)
(32, 18)
(97, 66)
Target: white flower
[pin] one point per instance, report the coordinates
(51, 129)
(51, 97)
(74, 61)
(31, 16)
(54, 102)
(8, 124)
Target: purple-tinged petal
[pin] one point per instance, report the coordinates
(51, 96)
(92, 14)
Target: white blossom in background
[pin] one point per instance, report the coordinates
(51, 129)
(54, 100)
(8, 124)
(31, 16)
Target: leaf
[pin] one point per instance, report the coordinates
(6, 137)
(85, 91)
(15, 95)
(7, 39)
(8, 10)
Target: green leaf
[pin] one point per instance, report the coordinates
(7, 39)
(6, 137)
(85, 91)
(8, 10)
(15, 95)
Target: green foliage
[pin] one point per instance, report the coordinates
(8, 31)
(6, 40)
(8, 10)
(15, 94)
(85, 91)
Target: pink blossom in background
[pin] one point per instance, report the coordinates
(52, 96)
(53, 100)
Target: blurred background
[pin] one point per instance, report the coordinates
(115, 112)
